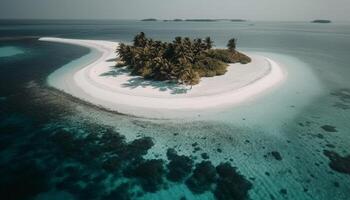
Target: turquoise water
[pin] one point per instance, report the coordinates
(279, 142)
(9, 51)
(71, 67)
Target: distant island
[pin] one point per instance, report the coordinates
(201, 20)
(195, 20)
(322, 21)
(173, 20)
(238, 20)
(149, 20)
(215, 20)
(182, 61)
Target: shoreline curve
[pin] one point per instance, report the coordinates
(98, 82)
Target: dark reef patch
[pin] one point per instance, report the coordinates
(106, 149)
(336, 184)
(341, 105)
(275, 154)
(230, 184)
(319, 136)
(283, 191)
(203, 178)
(330, 146)
(122, 192)
(343, 96)
(139, 147)
(22, 182)
(205, 156)
(329, 128)
(179, 167)
(150, 174)
(112, 164)
(337, 162)
(109, 141)
(67, 143)
(196, 149)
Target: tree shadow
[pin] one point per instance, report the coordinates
(117, 72)
(137, 81)
(162, 86)
(111, 60)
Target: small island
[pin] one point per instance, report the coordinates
(157, 79)
(173, 20)
(321, 21)
(202, 20)
(149, 20)
(183, 61)
(238, 20)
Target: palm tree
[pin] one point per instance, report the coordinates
(125, 53)
(178, 40)
(140, 40)
(232, 44)
(184, 60)
(189, 76)
(208, 43)
(198, 44)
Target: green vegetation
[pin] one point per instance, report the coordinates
(173, 20)
(202, 20)
(238, 20)
(149, 20)
(322, 21)
(182, 61)
(196, 20)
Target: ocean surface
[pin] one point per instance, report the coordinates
(291, 143)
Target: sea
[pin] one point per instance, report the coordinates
(292, 142)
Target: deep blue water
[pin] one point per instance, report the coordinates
(53, 146)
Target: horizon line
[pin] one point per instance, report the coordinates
(160, 19)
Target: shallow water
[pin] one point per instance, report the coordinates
(9, 51)
(62, 148)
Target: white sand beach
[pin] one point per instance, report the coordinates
(100, 83)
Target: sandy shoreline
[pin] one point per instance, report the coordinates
(99, 83)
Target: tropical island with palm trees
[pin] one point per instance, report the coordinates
(154, 79)
(182, 61)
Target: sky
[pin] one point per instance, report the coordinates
(268, 10)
